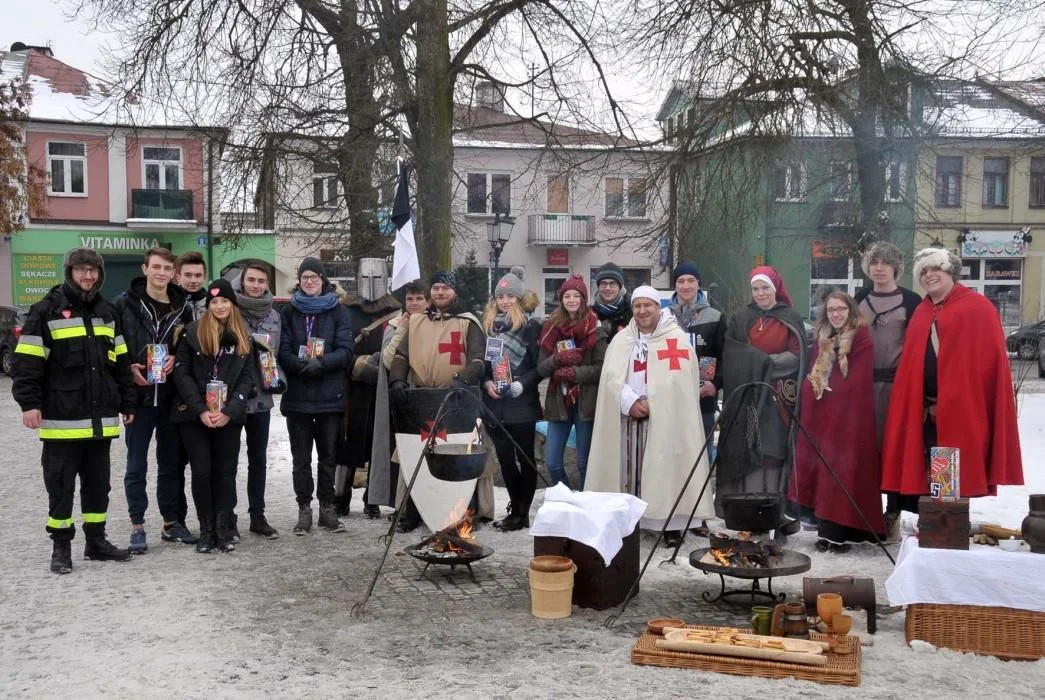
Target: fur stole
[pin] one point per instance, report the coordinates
(831, 348)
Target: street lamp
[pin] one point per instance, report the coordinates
(498, 232)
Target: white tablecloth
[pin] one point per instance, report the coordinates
(985, 576)
(599, 520)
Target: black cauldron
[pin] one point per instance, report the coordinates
(754, 512)
(454, 462)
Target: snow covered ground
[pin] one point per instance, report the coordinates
(273, 617)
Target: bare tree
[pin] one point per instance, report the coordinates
(21, 183)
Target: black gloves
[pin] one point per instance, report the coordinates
(312, 368)
(397, 391)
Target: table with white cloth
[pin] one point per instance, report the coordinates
(979, 591)
(599, 532)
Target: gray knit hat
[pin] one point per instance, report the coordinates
(937, 257)
(885, 252)
(509, 284)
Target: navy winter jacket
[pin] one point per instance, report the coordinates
(325, 393)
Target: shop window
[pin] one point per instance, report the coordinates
(831, 268)
(789, 181)
(948, 181)
(162, 167)
(1001, 281)
(67, 165)
(625, 197)
(489, 193)
(995, 182)
(324, 185)
(1037, 182)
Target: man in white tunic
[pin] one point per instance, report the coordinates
(648, 431)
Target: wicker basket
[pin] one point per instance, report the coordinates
(1003, 632)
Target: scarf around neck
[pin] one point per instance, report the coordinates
(612, 308)
(831, 347)
(313, 305)
(513, 342)
(255, 309)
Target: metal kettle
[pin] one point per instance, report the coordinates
(789, 620)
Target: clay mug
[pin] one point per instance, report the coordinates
(761, 619)
(828, 605)
(1034, 524)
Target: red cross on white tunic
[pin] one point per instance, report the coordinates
(426, 432)
(638, 366)
(673, 354)
(455, 348)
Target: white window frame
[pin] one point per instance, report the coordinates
(330, 185)
(488, 199)
(561, 274)
(67, 169)
(626, 205)
(850, 284)
(848, 165)
(162, 163)
(790, 167)
(901, 179)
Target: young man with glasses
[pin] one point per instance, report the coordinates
(72, 382)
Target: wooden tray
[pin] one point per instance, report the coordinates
(841, 669)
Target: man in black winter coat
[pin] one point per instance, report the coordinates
(153, 311)
(72, 381)
(315, 351)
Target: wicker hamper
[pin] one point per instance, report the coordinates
(1003, 632)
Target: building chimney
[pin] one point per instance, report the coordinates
(41, 50)
(490, 94)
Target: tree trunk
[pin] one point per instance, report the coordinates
(434, 155)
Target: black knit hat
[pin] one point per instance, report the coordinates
(684, 268)
(311, 265)
(610, 271)
(447, 278)
(221, 287)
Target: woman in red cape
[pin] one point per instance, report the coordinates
(838, 414)
(951, 390)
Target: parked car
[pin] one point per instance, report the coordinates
(1024, 340)
(11, 320)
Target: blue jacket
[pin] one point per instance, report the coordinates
(325, 393)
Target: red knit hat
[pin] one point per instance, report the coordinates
(576, 283)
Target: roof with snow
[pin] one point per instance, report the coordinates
(479, 126)
(61, 93)
(983, 109)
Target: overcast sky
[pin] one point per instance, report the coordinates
(42, 23)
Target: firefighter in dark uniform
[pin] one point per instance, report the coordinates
(72, 381)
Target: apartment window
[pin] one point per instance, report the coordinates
(995, 182)
(489, 193)
(948, 181)
(831, 268)
(67, 164)
(559, 193)
(668, 131)
(895, 175)
(841, 180)
(1037, 182)
(162, 167)
(625, 198)
(324, 185)
(789, 181)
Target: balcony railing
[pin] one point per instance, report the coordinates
(162, 204)
(561, 229)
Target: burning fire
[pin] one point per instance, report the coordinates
(741, 551)
(457, 536)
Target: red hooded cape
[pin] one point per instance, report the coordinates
(975, 410)
(842, 424)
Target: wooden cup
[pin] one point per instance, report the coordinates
(828, 605)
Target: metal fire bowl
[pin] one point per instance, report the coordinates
(788, 563)
(414, 551)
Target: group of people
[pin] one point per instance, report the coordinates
(830, 427)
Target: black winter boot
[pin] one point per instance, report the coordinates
(260, 526)
(205, 544)
(62, 557)
(328, 519)
(223, 534)
(101, 549)
(304, 523)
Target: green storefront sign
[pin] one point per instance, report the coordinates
(37, 255)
